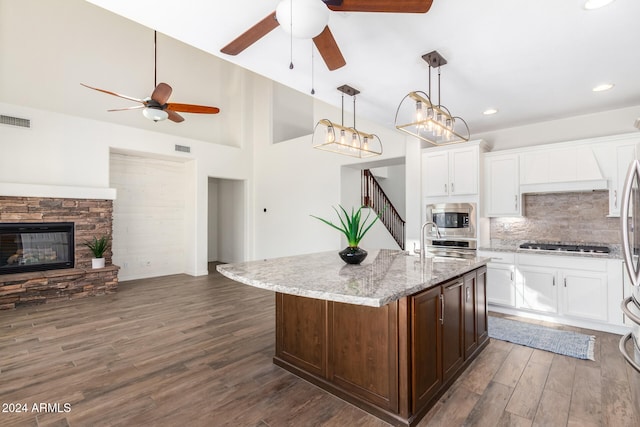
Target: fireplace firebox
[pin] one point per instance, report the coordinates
(26, 247)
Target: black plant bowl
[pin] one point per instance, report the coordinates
(352, 255)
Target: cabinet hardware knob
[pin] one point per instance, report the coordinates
(441, 309)
(452, 190)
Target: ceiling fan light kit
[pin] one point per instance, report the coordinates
(155, 114)
(340, 139)
(304, 19)
(419, 116)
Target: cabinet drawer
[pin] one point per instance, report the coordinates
(559, 261)
(499, 256)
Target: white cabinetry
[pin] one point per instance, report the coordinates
(502, 185)
(538, 288)
(501, 289)
(575, 287)
(584, 294)
(625, 153)
(451, 172)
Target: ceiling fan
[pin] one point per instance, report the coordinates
(156, 107)
(316, 11)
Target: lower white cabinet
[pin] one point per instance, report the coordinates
(501, 277)
(585, 294)
(538, 288)
(582, 291)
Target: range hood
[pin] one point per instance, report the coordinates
(573, 169)
(565, 187)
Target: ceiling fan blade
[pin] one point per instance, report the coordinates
(329, 49)
(114, 94)
(252, 35)
(161, 93)
(174, 117)
(136, 107)
(190, 108)
(390, 6)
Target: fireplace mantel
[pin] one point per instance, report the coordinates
(56, 191)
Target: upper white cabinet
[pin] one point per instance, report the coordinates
(450, 172)
(625, 153)
(502, 185)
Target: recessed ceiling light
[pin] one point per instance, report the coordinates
(603, 87)
(489, 111)
(596, 4)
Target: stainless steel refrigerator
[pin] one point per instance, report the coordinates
(630, 227)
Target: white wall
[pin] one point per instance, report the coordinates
(606, 123)
(232, 216)
(212, 220)
(293, 181)
(149, 215)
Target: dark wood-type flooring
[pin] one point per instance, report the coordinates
(197, 351)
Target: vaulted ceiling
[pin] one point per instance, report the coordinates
(532, 60)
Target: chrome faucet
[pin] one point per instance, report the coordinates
(422, 245)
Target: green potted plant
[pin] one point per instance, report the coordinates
(354, 229)
(98, 246)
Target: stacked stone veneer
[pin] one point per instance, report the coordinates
(92, 218)
(561, 217)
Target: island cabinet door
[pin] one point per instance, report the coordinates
(470, 314)
(426, 344)
(363, 352)
(452, 328)
(301, 332)
(482, 327)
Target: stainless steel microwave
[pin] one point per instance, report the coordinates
(453, 219)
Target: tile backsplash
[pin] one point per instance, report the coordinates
(561, 217)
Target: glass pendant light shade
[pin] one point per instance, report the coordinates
(348, 141)
(155, 114)
(303, 19)
(417, 116)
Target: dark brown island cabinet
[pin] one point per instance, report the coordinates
(393, 361)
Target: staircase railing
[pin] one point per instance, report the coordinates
(374, 197)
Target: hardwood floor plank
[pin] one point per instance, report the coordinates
(513, 366)
(490, 407)
(527, 393)
(553, 410)
(617, 405)
(561, 375)
(586, 398)
(197, 351)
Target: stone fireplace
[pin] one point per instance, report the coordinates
(89, 217)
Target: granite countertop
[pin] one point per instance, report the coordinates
(384, 276)
(514, 246)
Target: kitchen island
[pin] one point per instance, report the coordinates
(389, 335)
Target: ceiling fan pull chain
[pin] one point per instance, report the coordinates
(313, 91)
(155, 59)
(291, 36)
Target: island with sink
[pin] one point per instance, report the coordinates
(389, 335)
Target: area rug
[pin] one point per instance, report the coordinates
(566, 343)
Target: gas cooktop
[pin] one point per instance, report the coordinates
(566, 248)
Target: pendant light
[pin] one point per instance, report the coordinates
(419, 116)
(337, 138)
